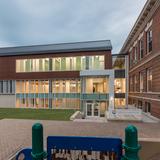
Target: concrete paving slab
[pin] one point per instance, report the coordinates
(16, 134)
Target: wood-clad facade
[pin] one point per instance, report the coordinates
(8, 65)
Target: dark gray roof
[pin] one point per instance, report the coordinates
(57, 48)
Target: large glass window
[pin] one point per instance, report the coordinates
(149, 41)
(78, 63)
(60, 64)
(41, 65)
(118, 62)
(58, 86)
(20, 65)
(130, 59)
(120, 85)
(65, 103)
(28, 65)
(83, 63)
(66, 86)
(35, 88)
(70, 63)
(32, 102)
(32, 86)
(46, 64)
(97, 85)
(119, 102)
(63, 64)
(135, 55)
(135, 83)
(73, 86)
(96, 62)
(141, 49)
(57, 64)
(141, 81)
(149, 79)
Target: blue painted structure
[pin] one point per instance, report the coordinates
(26, 152)
(79, 143)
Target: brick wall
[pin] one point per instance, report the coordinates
(149, 60)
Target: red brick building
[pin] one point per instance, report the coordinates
(143, 48)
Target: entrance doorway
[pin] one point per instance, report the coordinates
(92, 109)
(147, 108)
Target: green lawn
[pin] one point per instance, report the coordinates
(40, 114)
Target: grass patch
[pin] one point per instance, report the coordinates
(38, 114)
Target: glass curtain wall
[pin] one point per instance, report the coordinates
(64, 92)
(120, 85)
(60, 64)
(97, 85)
(66, 103)
(120, 102)
(118, 62)
(32, 94)
(32, 65)
(66, 86)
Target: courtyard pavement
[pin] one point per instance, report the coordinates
(16, 134)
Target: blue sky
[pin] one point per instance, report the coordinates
(31, 22)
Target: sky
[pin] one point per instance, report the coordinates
(32, 22)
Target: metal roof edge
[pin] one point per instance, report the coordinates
(57, 48)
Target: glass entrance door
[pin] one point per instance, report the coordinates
(95, 109)
(89, 109)
(92, 109)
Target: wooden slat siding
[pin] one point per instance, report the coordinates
(84, 53)
(8, 66)
(108, 61)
